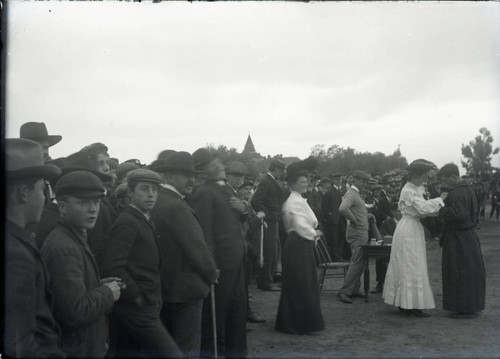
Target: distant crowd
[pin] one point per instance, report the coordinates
(122, 259)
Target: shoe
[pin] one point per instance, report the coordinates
(344, 298)
(378, 289)
(403, 310)
(254, 318)
(419, 313)
(357, 295)
(270, 288)
(463, 315)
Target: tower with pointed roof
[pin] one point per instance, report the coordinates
(249, 147)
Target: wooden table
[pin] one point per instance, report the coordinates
(372, 251)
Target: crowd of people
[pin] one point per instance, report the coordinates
(109, 259)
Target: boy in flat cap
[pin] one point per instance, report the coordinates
(29, 326)
(268, 198)
(81, 299)
(189, 266)
(133, 254)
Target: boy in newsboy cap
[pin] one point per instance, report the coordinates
(29, 326)
(81, 298)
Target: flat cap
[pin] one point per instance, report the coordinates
(236, 168)
(377, 187)
(278, 162)
(361, 175)
(123, 169)
(325, 180)
(144, 175)
(80, 184)
(336, 175)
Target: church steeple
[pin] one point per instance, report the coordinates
(249, 147)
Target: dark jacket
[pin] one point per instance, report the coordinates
(222, 226)
(388, 227)
(268, 198)
(330, 207)
(99, 235)
(30, 329)
(81, 302)
(189, 266)
(383, 209)
(133, 254)
(47, 222)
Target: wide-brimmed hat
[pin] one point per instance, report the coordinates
(80, 184)
(178, 161)
(24, 159)
(236, 168)
(302, 167)
(421, 165)
(202, 157)
(37, 131)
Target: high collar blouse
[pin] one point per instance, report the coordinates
(299, 217)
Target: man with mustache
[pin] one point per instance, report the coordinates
(81, 299)
(189, 267)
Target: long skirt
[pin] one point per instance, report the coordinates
(299, 310)
(464, 278)
(407, 281)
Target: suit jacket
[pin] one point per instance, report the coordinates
(222, 225)
(383, 209)
(268, 198)
(133, 254)
(30, 329)
(353, 209)
(330, 207)
(388, 227)
(189, 268)
(81, 302)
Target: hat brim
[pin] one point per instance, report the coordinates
(51, 139)
(162, 169)
(83, 194)
(45, 171)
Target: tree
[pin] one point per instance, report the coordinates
(478, 155)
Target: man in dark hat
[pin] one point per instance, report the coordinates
(133, 254)
(333, 223)
(37, 131)
(464, 278)
(222, 227)
(353, 209)
(189, 267)
(29, 326)
(268, 198)
(81, 299)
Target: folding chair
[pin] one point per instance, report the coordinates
(325, 263)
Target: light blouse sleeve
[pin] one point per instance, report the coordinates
(302, 219)
(423, 207)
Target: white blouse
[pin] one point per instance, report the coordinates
(299, 217)
(412, 202)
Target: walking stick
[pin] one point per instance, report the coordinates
(214, 321)
(261, 255)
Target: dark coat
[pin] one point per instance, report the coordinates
(315, 199)
(189, 266)
(30, 329)
(133, 254)
(81, 302)
(388, 227)
(50, 215)
(464, 278)
(383, 209)
(99, 235)
(330, 207)
(268, 198)
(222, 226)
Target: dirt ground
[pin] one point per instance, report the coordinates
(376, 330)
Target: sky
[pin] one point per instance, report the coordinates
(144, 77)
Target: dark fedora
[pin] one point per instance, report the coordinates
(176, 162)
(37, 131)
(24, 159)
(80, 184)
(202, 157)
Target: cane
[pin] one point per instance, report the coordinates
(214, 322)
(261, 255)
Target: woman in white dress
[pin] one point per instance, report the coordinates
(407, 282)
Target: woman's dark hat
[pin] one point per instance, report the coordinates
(24, 159)
(80, 184)
(177, 161)
(305, 167)
(144, 175)
(37, 131)
(421, 165)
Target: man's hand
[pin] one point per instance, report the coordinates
(115, 288)
(260, 214)
(120, 281)
(444, 195)
(238, 205)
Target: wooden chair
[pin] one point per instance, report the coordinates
(328, 268)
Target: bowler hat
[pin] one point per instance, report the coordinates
(202, 157)
(164, 154)
(144, 175)
(236, 168)
(37, 131)
(278, 162)
(24, 159)
(361, 175)
(80, 184)
(178, 161)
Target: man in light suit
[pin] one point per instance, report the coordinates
(189, 267)
(353, 209)
(221, 216)
(268, 198)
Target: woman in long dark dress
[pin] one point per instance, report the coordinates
(299, 309)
